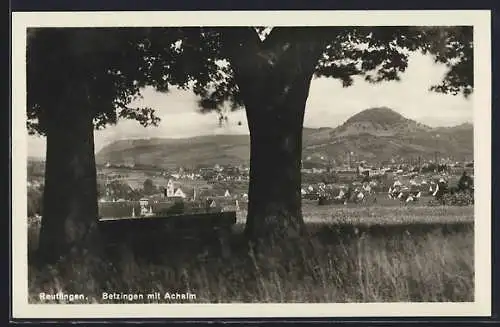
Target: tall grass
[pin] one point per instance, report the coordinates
(336, 264)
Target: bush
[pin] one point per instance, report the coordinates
(35, 201)
(176, 209)
(455, 199)
(459, 199)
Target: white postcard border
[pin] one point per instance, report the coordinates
(480, 19)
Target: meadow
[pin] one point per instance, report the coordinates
(352, 254)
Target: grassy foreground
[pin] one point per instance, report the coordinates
(427, 256)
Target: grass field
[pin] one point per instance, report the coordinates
(353, 254)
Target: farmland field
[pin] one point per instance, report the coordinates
(367, 253)
(378, 214)
(390, 212)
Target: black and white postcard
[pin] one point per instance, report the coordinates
(251, 164)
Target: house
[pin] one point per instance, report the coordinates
(376, 172)
(146, 209)
(346, 173)
(204, 193)
(174, 191)
(220, 177)
(213, 193)
(179, 193)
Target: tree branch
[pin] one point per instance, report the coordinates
(238, 39)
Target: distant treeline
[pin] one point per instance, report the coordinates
(36, 168)
(35, 201)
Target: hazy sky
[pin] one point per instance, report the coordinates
(328, 105)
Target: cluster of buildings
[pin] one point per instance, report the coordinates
(221, 173)
(363, 167)
(381, 177)
(224, 173)
(175, 191)
(179, 187)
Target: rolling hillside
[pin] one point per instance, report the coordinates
(209, 150)
(380, 134)
(376, 134)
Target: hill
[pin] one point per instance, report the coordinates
(376, 134)
(166, 153)
(381, 134)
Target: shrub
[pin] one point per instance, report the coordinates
(455, 199)
(459, 199)
(176, 209)
(35, 202)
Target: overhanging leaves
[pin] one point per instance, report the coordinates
(114, 64)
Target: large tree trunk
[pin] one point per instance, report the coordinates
(70, 194)
(274, 209)
(274, 80)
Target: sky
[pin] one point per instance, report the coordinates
(328, 105)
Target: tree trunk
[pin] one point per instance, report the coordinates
(274, 208)
(70, 193)
(274, 77)
(276, 123)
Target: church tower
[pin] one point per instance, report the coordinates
(170, 188)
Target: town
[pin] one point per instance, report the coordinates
(134, 191)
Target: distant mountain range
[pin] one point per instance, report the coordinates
(376, 135)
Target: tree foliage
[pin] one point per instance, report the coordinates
(115, 64)
(454, 48)
(149, 187)
(111, 63)
(35, 203)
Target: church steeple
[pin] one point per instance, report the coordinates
(170, 188)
